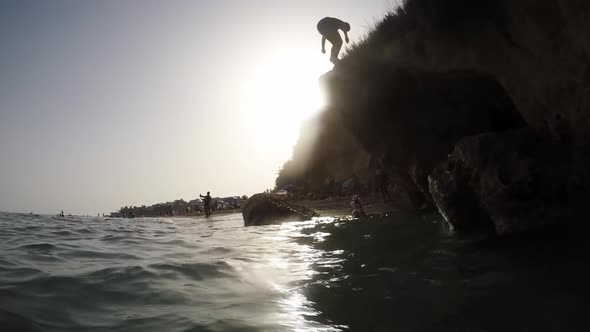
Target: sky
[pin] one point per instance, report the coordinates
(110, 103)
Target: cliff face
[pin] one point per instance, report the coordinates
(435, 73)
(509, 183)
(325, 149)
(538, 51)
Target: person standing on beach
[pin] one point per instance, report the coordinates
(207, 202)
(329, 28)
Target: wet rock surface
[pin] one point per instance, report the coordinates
(264, 209)
(509, 182)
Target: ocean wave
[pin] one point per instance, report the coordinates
(39, 248)
(14, 322)
(196, 271)
(90, 254)
(399, 272)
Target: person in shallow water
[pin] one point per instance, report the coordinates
(329, 28)
(357, 207)
(207, 201)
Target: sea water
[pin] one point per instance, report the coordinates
(399, 272)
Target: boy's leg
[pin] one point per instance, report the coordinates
(336, 46)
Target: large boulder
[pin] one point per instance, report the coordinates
(264, 209)
(415, 115)
(509, 182)
(414, 118)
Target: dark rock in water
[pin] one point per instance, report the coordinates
(264, 209)
(508, 182)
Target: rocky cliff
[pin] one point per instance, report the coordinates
(325, 149)
(434, 76)
(538, 51)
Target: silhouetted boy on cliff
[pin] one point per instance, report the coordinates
(328, 27)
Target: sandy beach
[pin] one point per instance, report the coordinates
(340, 206)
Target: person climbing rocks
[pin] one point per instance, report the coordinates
(329, 28)
(207, 201)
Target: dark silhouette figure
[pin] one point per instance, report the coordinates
(207, 202)
(61, 214)
(329, 28)
(357, 207)
(382, 181)
(331, 187)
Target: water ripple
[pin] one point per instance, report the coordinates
(401, 272)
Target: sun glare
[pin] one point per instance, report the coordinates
(282, 92)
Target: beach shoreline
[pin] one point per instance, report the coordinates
(340, 206)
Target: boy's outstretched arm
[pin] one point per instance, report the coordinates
(324, 45)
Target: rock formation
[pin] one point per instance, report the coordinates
(414, 117)
(264, 209)
(465, 78)
(325, 149)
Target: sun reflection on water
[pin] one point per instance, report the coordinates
(298, 260)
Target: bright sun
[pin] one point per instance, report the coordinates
(282, 92)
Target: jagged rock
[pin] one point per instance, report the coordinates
(434, 72)
(415, 117)
(264, 209)
(536, 50)
(508, 182)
